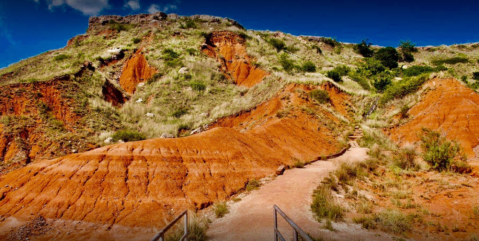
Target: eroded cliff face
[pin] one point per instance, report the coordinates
(447, 107)
(136, 70)
(24, 109)
(143, 184)
(229, 49)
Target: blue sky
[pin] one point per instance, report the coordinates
(30, 27)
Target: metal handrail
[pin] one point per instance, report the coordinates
(161, 235)
(296, 229)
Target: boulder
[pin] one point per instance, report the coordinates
(183, 70)
(108, 140)
(196, 131)
(150, 115)
(173, 16)
(139, 100)
(167, 135)
(280, 170)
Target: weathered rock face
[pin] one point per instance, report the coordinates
(113, 95)
(229, 48)
(142, 184)
(449, 108)
(132, 19)
(136, 70)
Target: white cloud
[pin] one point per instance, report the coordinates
(165, 8)
(87, 7)
(133, 4)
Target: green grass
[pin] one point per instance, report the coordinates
(221, 209)
(61, 57)
(388, 221)
(324, 206)
(252, 185)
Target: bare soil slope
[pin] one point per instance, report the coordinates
(229, 48)
(448, 107)
(144, 184)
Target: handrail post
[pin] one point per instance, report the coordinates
(295, 235)
(275, 224)
(186, 226)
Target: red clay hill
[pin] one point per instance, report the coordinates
(448, 107)
(144, 184)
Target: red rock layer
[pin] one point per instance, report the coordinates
(229, 48)
(450, 108)
(135, 71)
(142, 184)
(32, 101)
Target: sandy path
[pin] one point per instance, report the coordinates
(252, 217)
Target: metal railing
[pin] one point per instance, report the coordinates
(297, 231)
(161, 235)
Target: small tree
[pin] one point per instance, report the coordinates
(364, 48)
(309, 66)
(407, 48)
(381, 84)
(388, 56)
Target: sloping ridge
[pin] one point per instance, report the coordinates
(448, 107)
(143, 184)
(229, 48)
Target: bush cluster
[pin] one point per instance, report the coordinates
(388, 56)
(407, 48)
(127, 135)
(452, 61)
(339, 71)
(364, 48)
(404, 87)
(418, 70)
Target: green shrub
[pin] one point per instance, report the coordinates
(136, 40)
(452, 61)
(252, 185)
(119, 26)
(405, 159)
(324, 205)
(417, 70)
(407, 48)
(364, 48)
(381, 84)
(169, 54)
(362, 81)
(287, 64)
(179, 112)
(298, 164)
(191, 51)
(403, 88)
(437, 151)
(464, 79)
(197, 85)
(277, 44)
(221, 209)
(196, 231)
(174, 63)
(320, 96)
(374, 66)
(334, 75)
(475, 75)
(61, 57)
(127, 135)
(309, 66)
(318, 49)
(388, 56)
(330, 41)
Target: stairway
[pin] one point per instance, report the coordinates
(358, 133)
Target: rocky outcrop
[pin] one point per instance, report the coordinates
(136, 70)
(113, 95)
(230, 50)
(449, 108)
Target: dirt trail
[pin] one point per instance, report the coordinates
(252, 217)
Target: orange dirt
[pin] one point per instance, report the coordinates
(143, 184)
(229, 48)
(135, 71)
(448, 107)
(444, 202)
